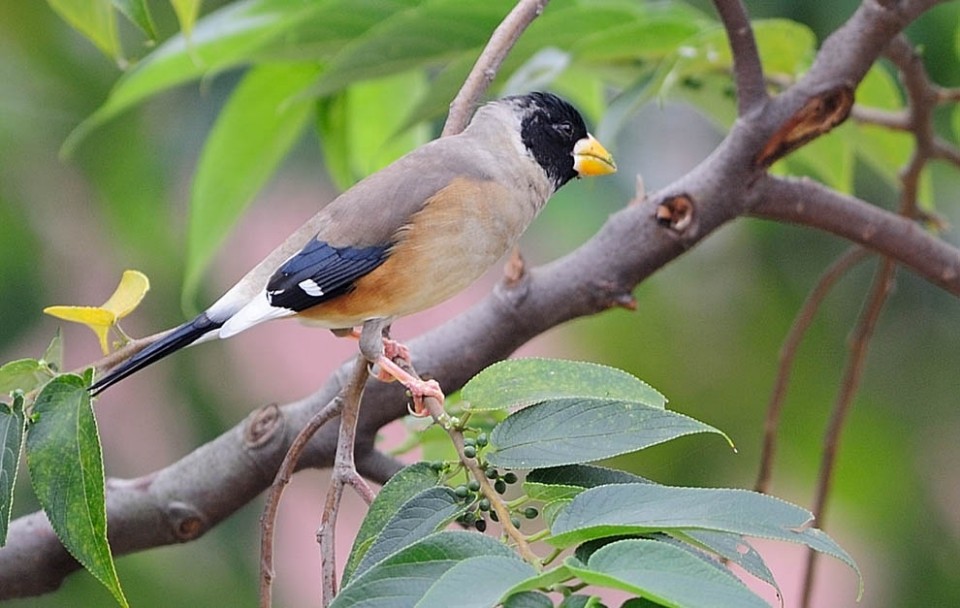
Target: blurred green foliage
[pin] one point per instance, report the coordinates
(708, 327)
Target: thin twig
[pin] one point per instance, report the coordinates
(894, 120)
(788, 352)
(882, 285)
(922, 100)
(747, 68)
(344, 473)
(496, 501)
(489, 62)
(946, 151)
(268, 517)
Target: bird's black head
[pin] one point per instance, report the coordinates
(550, 128)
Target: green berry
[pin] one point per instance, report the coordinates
(494, 516)
(482, 439)
(515, 521)
(510, 477)
(469, 517)
(530, 512)
(480, 525)
(470, 451)
(474, 485)
(492, 473)
(500, 486)
(461, 491)
(469, 441)
(484, 504)
(437, 466)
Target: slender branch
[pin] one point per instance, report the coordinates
(489, 62)
(269, 516)
(894, 120)
(344, 473)
(747, 68)
(883, 283)
(788, 352)
(946, 151)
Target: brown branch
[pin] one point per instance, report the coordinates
(788, 352)
(883, 283)
(894, 120)
(747, 68)
(183, 500)
(489, 62)
(946, 151)
(271, 506)
(802, 201)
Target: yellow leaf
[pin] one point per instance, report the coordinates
(133, 286)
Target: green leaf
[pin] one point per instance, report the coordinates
(66, 469)
(732, 547)
(404, 485)
(53, 356)
(521, 382)
(885, 151)
(187, 11)
(228, 37)
(668, 575)
(582, 476)
(259, 124)
(643, 508)
(956, 115)
(434, 31)
(528, 599)
(94, 19)
(651, 38)
(477, 582)
(138, 12)
(578, 430)
(362, 128)
(403, 578)
(12, 427)
(23, 374)
(417, 518)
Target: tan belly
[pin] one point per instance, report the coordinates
(449, 245)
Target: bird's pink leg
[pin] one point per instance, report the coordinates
(390, 371)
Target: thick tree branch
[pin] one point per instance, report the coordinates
(801, 201)
(180, 502)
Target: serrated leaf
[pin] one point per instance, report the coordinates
(404, 577)
(12, 428)
(544, 580)
(404, 485)
(138, 12)
(417, 518)
(94, 19)
(618, 510)
(66, 470)
(53, 356)
(477, 582)
(23, 374)
(521, 382)
(732, 547)
(579, 430)
(259, 124)
(668, 575)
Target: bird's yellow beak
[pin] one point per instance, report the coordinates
(590, 158)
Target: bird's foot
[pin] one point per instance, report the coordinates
(419, 389)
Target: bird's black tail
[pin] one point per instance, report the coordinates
(183, 336)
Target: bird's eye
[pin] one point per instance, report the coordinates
(564, 129)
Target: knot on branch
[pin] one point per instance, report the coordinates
(186, 522)
(262, 426)
(818, 115)
(676, 213)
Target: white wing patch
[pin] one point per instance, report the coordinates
(255, 312)
(310, 287)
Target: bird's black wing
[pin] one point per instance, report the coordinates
(320, 272)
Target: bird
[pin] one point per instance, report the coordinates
(407, 237)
